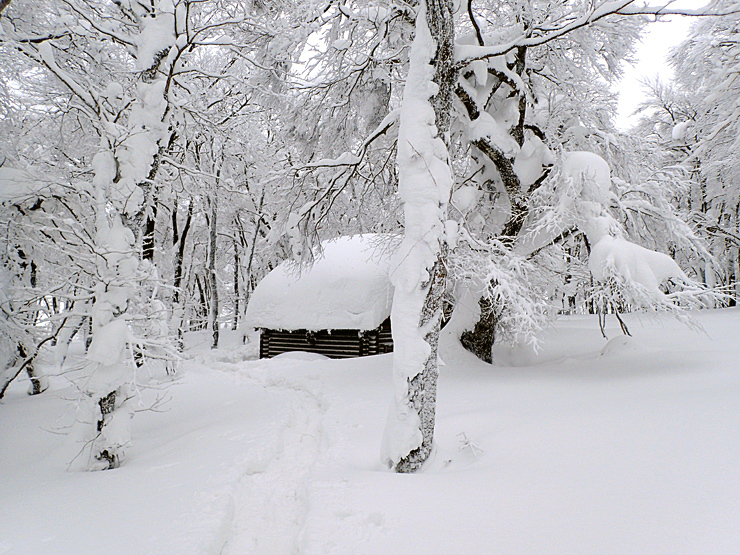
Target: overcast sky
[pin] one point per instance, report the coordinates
(651, 59)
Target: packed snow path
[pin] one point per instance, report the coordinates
(626, 446)
(270, 500)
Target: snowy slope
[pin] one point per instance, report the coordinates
(627, 446)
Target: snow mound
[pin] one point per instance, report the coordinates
(528, 164)
(519, 355)
(465, 198)
(157, 35)
(622, 344)
(678, 133)
(347, 288)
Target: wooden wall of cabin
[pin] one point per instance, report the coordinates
(333, 344)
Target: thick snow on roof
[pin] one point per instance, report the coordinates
(347, 288)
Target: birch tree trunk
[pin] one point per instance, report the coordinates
(425, 182)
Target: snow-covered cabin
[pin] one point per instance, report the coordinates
(339, 307)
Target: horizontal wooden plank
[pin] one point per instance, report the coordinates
(342, 347)
(306, 346)
(336, 333)
(313, 340)
(324, 337)
(334, 344)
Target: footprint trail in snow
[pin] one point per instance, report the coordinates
(270, 500)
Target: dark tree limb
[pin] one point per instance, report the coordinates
(473, 22)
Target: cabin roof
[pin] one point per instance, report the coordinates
(346, 288)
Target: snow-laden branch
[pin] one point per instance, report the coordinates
(465, 53)
(103, 29)
(714, 9)
(349, 159)
(347, 165)
(43, 54)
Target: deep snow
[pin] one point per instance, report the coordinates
(627, 446)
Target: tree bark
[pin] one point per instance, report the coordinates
(212, 269)
(147, 242)
(235, 321)
(178, 303)
(425, 180)
(203, 310)
(481, 338)
(423, 387)
(250, 261)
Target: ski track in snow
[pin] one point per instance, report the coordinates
(269, 502)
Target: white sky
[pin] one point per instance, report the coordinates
(651, 58)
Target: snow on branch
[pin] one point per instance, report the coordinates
(714, 9)
(349, 159)
(346, 166)
(466, 53)
(44, 54)
(344, 159)
(507, 279)
(103, 29)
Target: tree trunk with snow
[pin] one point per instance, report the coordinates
(178, 300)
(122, 184)
(480, 339)
(248, 272)
(212, 278)
(425, 182)
(107, 387)
(39, 382)
(235, 319)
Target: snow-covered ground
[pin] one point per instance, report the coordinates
(625, 447)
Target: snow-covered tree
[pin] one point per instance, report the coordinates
(424, 185)
(706, 138)
(531, 101)
(213, 139)
(151, 87)
(115, 62)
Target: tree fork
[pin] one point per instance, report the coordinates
(481, 338)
